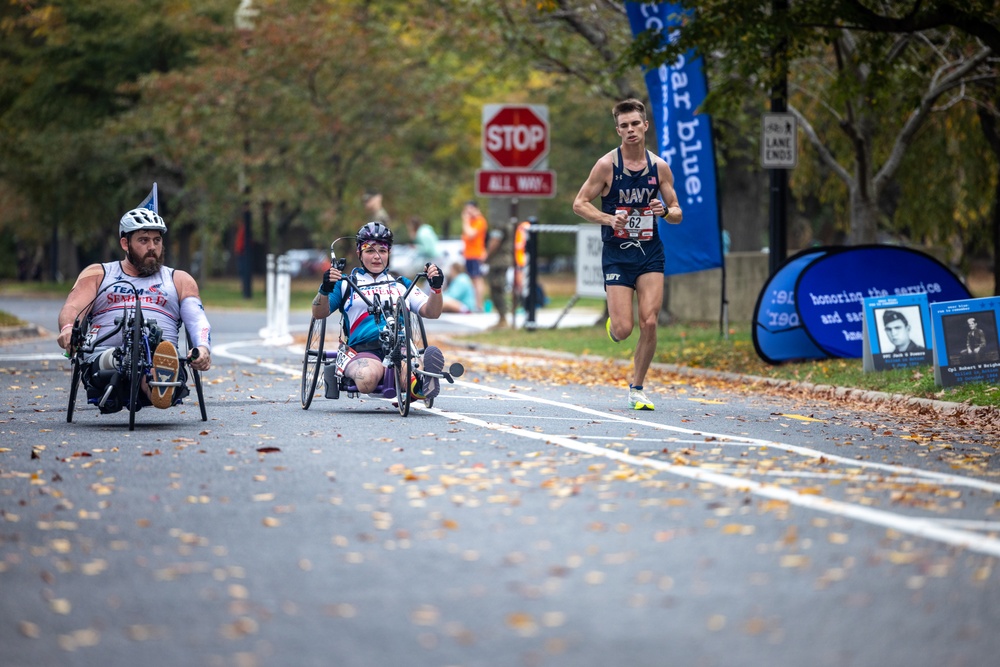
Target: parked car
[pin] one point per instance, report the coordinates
(404, 260)
(307, 263)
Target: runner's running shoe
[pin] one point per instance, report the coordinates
(607, 325)
(165, 365)
(637, 400)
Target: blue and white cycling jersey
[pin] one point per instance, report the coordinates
(361, 328)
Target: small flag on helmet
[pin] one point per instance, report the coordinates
(152, 201)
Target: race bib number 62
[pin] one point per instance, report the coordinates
(639, 225)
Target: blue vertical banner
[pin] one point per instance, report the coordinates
(684, 141)
(152, 201)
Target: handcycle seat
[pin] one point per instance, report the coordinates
(385, 389)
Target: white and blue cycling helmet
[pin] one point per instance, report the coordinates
(141, 218)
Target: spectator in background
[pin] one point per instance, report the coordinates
(474, 228)
(374, 208)
(424, 238)
(499, 255)
(460, 294)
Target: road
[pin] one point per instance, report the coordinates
(526, 520)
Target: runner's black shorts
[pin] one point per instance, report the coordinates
(624, 265)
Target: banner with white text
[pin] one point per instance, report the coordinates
(684, 141)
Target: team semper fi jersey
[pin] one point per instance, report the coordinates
(632, 193)
(157, 295)
(361, 327)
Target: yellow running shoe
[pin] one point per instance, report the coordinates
(637, 400)
(607, 326)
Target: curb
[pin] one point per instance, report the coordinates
(23, 332)
(895, 401)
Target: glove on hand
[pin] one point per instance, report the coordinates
(437, 280)
(326, 287)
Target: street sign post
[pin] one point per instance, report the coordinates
(778, 149)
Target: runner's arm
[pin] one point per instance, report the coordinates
(593, 187)
(672, 211)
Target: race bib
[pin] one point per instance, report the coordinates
(91, 337)
(344, 355)
(640, 223)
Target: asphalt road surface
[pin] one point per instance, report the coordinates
(528, 519)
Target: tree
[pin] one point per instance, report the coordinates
(64, 69)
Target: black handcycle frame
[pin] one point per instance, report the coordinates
(403, 341)
(132, 361)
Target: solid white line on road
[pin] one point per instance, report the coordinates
(925, 528)
(726, 438)
(932, 529)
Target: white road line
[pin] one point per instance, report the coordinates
(38, 356)
(725, 438)
(926, 528)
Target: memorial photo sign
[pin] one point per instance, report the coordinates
(831, 290)
(897, 332)
(966, 345)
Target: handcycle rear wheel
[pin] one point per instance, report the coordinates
(196, 377)
(312, 360)
(403, 364)
(77, 372)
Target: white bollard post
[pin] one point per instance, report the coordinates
(283, 297)
(268, 329)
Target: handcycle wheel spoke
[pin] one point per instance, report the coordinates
(312, 360)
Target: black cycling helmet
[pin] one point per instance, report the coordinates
(374, 231)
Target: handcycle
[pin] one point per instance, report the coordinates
(130, 362)
(402, 342)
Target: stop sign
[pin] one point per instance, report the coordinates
(515, 137)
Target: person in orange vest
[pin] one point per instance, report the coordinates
(520, 257)
(474, 228)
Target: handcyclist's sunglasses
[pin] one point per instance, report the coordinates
(375, 246)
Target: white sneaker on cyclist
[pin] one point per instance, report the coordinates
(165, 367)
(637, 400)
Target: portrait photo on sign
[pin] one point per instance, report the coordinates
(901, 329)
(971, 338)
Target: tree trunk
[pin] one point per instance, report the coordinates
(864, 217)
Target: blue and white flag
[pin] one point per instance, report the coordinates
(684, 142)
(152, 201)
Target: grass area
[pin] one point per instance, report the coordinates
(702, 346)
(692, 345)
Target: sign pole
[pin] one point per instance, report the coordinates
(778, 243)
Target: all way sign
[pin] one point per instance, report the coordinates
(515, 183)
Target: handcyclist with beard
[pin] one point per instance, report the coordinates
(167, 295)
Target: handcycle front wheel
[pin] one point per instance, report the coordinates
(418, 336)
(135, 366)
(403, 363)
(312, 360)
